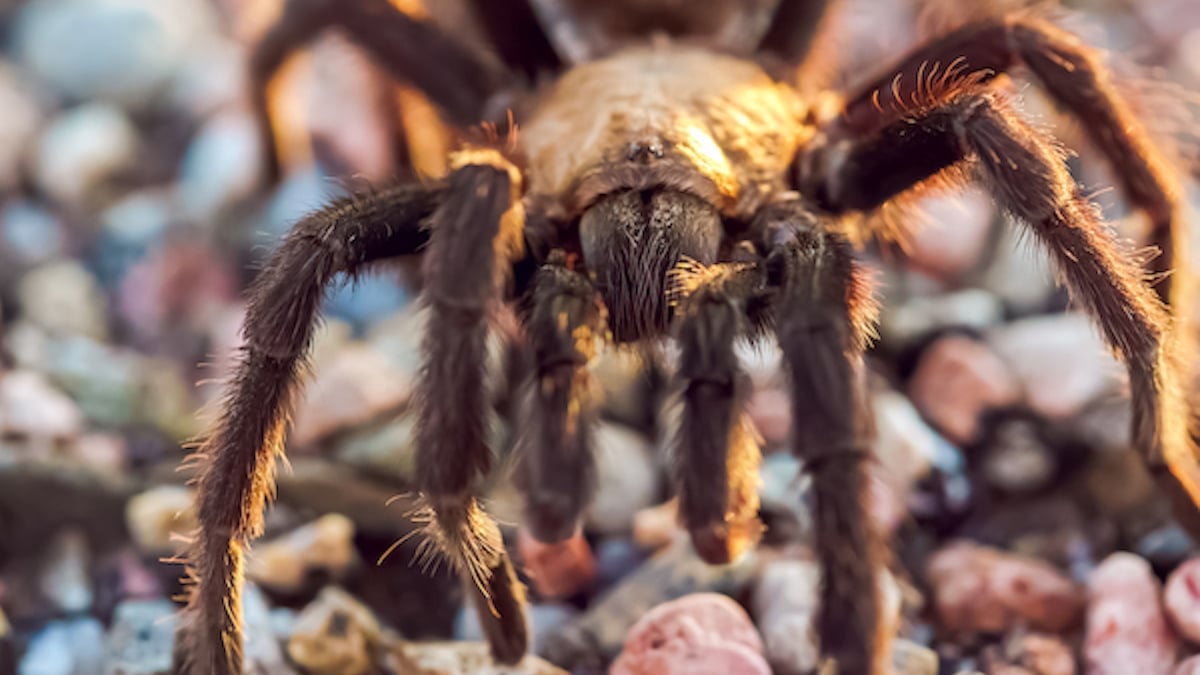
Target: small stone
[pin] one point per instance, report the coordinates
(65, 575)
(657, 526)
(1119, 482)
(283, 565)
(1044, 655)
(700, 633)
(221, 167)
(1189, 666)
(622, 377)
(597, 637)
(462, 658)
(910, 658)
(1060, 360)
(64, 298)
(388, 451)
(142, 638)
(951, 233)
(355, 386)
(785, 604)
(770, 411)
(30, 233)
(1181, 598)
(1017, 460)
(957, 380)
(615, 559)
(902, 323)
(336, 635)
(82, 150)
(31, 408)
(543, 618)
(158, 516)
(558, 570)
(23, 115)
(1021, 275)
(66, 648)
(130, 230)
(980, 589)
(1165, 548)
(627, 479)
(128, 53)
(261, 652)
(1127, 631)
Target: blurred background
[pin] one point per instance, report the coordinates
(133, 213)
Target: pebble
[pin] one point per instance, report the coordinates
(142, 638)
(627, 479)
(910, 658)
(657, 526)
(388, 450)
(1060, 360)
(82, 150)
(1165, 548)
(462, 658)
(64, 298)
(1044, 655)
(30, 233)
(957, 380)
(981, 589)
(336, 635)
(131, 228)
(31, 408)
(157, 517)
(1127, 631)
(1181, 598)
(701, 633)
(624, 381)
(1119, 482)
(65, 575)
(785, 604)
(902, 322)
(262, 653)
(1020, 275)
(950, 232)
(127, 55)
(22, 117)
(221, 166)
(74, 647)
(543, 618)
(597, 636)
(1017, 459)
(285, 564)
(615, 559)
(355, 386)
(1190, 666)
(559, 570)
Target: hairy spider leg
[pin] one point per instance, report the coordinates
(975, 131)
(411, 50)
(475, 237)
(1075, 77)
(716, 452)
(564, 325)
(824, 312)
(236, 463)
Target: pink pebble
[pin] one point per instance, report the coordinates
(981, 589)
(557, 570)
(1127, 631)
(1182, 599)
(698, 634)
(1189, 666)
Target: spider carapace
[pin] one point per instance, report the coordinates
(671, 189)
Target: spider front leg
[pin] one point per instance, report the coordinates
(237, 461)
(566, 320)
(716, 451)
(477, 233)
(974, 130)
(823, 313)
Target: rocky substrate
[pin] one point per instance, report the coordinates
(1026, 535)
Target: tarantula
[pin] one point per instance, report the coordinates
(669, 188)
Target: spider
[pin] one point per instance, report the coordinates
(669, 187)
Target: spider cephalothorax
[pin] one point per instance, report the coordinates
(664, 189)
